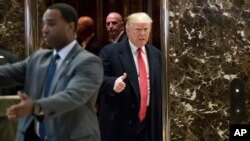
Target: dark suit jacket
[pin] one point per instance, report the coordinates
(122, 37)
(93, 46)
(106, 41)
(8, 58)
(119, 112)
(7, 127)
(68, 111)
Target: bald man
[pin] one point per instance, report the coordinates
(86, 34)
(115, 27)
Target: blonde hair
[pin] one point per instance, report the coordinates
(139, 17)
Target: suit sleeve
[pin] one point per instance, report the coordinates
(108, 80)
(12, 74)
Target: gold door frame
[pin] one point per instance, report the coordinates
(164, 26)
(31, 26)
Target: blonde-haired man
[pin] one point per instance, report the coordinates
(131, 90)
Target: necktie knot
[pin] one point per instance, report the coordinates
(139, 50)
(55, 57)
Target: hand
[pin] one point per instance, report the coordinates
(97, 108)
(119, 85)
(23, 108)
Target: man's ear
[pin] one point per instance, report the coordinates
(71, 26)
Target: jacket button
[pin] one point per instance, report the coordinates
(133, 106)
(130, 122)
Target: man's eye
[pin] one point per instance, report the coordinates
(51, 24)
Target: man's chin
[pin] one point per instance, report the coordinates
(49, 46)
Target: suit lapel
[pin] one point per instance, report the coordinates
(151, 61)
(128, 63)
(63, 67)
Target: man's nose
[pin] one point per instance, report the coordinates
(45, 28)
(110, 24)
(142, 32)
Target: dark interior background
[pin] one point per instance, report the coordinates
(99, 9)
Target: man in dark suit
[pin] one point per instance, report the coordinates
(131, 90)
(60, 86)
(115, 27)
(86, 35)
(7, 128)
(8, 58)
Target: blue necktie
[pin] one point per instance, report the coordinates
(50, 74)
(48, 79)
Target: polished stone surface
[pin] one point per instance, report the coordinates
(209, 46)
(12, 26)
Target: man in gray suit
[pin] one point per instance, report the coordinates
(66, 112)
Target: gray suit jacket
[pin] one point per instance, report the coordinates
(68, 111)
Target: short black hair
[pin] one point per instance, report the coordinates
(68, 13)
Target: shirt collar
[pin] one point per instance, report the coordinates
(117, 38)
(134, 48)
(65, 50)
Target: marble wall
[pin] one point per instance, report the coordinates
(209, 46)
(12, 26)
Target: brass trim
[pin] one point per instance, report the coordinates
(31, 26)
(164, 25)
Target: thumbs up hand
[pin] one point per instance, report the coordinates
(119, 85)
